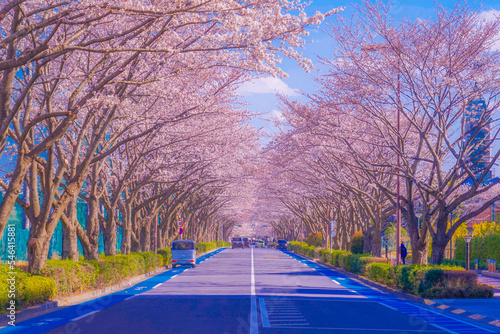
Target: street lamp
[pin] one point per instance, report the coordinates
(468, 239)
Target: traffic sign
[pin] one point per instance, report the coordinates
(181, 223)
(333, 225)
(181, 231)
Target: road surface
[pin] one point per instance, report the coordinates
(247, 291)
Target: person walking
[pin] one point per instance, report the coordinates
(404, 252)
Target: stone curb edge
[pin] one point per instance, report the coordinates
(442, 308)
(95, 293)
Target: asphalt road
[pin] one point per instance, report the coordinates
(247, 291)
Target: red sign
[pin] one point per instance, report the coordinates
(181, 231)
(181, 223)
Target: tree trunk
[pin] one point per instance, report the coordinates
(92, 230)
(70, 239)
(438, 248)
(367, 241)
(126, 240)
(376, 241)
(419, 239)
(127, 230)
(110, 235)
(15, 185)
(419, 251)
(38, 250)
(146, 237)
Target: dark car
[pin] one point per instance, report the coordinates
(282, 244)
(237, 242)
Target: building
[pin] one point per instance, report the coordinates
(477, 128)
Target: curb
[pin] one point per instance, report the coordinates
(442, 308)
(76, 299)
(490, 274)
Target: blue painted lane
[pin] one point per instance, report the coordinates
(73, 313)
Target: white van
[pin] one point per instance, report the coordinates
(183, 252)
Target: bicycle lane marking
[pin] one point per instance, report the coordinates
(59, 318)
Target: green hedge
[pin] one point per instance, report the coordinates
(70, 276)
(203, 247)
(76, 277)
(481, 247)
(423, 280)
(478, 291)
(166, 253)
(461, 263)
(29, 289)
(380, 272)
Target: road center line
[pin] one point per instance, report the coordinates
(254, 325)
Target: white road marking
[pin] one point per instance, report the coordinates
(335, 281)
(392, 308)
(85, 315)
(157, 285)
(263, 313)
(254, 323)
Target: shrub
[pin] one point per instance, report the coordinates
(70, 276)
(113, 269)
(204, 247)
(151, 261)
(315, 239)
(316, 252)
(484, 245)
(409, 277)
(30, 289)
(336, 257)
(342, 257)
(36, 290)
(461, 263)
(166, 253)
(478, 291)
(352, 263)
(365, 260)
(357, 243)
(379, 272)
(325, 256)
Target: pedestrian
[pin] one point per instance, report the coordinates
(404, 252)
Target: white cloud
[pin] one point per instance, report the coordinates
(267, 85)
(277, 115)
(491, 15)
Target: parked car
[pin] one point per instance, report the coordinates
(183, 253)
(260, 244)
(282, 244)
(237, 242)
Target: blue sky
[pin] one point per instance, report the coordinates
(261, 97)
